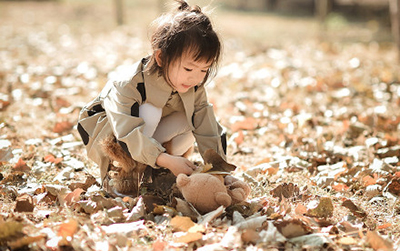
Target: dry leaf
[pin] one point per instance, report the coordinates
(188, 238)
(68, 228)
(249, 123)
(354, 209)
(285, 191)
(394, 187)
(5, 155)
(52, 159)
(63, 126)
(73, 197)
(217, 162)
(323, 210)
(377, 242)
(21, 166)
(24, 203)
(293, 228)
(181, 224)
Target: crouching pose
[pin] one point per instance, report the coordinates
(153, 117)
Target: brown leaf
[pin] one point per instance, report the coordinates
(4, 104)
(285, 191)
(394, 186)
(218, 163)
(90, 180)
(377, 242)
(292, 228)
(24, 203)
(354, 209)
(21, 166)
(323, 210)
(63, 126)
(73, 197)
(5, 155)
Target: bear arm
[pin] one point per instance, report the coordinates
(237, 194)
(223, 199)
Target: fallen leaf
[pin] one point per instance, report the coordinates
(181, 223)
(285, 191)
(5, 155)
(323, 210)
(249, 123)
(394, 187)
(24, 203)
(217, 162)
(73, 197)
(354, 209)
(188, 238)
(293, 228)
(68, 228)
(61, 127)
(21, 166)
(52, 159)
(250, 236)
(377, 242)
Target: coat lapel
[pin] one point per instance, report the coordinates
(188, 103)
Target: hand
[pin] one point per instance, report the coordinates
(176, 164)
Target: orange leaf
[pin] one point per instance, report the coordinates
(384, 226)
(52, 159)
(73, 196)
(249, 123)
(63, 126)
(68, 228)
(240, 137)
(21, 166)
(340, 187)
(368, 180)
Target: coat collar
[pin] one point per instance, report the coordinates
(160, 92)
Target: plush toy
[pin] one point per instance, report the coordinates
(206, 192)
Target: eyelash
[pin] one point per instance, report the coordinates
(189, 70)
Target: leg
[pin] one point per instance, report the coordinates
(174, 132)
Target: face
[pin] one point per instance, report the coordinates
(186, 73)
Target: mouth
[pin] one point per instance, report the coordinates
(186, 86)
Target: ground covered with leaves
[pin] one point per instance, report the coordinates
(313, 127)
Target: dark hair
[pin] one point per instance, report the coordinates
(187, 29)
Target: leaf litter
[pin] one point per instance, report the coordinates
(313, 128)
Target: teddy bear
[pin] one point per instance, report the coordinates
(206, 192)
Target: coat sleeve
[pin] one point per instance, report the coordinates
(208, 132)
(122, 109)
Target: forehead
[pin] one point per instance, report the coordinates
(189, 58)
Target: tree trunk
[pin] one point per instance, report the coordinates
(119, 8)
(395, 16)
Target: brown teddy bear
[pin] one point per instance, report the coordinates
(206, 192)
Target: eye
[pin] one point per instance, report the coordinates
(204, 71)
(187, 69)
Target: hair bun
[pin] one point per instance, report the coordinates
(183, 5)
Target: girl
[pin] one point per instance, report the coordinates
(153, 117)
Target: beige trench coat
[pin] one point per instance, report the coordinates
(116, 111)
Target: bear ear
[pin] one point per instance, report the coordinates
(182, 180)
(223, 199)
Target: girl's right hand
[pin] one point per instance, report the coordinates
(176, 164)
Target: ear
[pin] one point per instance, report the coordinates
(158, 57)
(182, 180)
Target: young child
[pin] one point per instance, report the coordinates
(154, 116)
